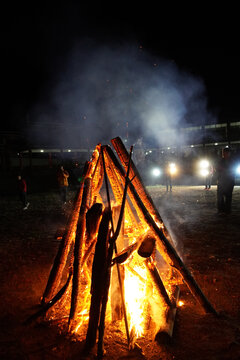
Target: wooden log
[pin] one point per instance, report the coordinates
(93, 217)
(63, 251)
(117, 185)
(154, 274)
(88, 252)
(97, 178)
(51, 303)
(165, 332)
(137, 181)
(78, 248)
(123, 256)
(115, 292)
(147, 246)
(120, 173)
(99, 270)
(112, 246)
(166, 249)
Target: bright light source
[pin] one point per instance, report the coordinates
(238, 170)
(204, 172)
(69, 150)
(204, 164)
(156, 172)
(216, 144)
(172, 168)
(41, 150)
(204, 167)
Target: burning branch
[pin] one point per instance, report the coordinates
(165, 247)
(68, 238)
(98, 284)
(78, 249)
(112, 246)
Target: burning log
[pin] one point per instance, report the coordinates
(117, 186)
(98, 279)
(63, 251)
(93, 217)
(78, 253)
(164, 334)
(153, 272)
(97, 179)
(165, 247)
(121, 257)
(110, 254)
(115, 291)
(147, 246)
(144, 246)
(137, 181)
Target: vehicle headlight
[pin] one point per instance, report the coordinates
(204, 172)
(172, 168)
(156, 172)
(238, 170)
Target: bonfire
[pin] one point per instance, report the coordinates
(116, 261)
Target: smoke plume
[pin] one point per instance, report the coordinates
(102, 92)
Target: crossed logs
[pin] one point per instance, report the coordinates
(88, 250)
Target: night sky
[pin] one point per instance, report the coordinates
(37, 41)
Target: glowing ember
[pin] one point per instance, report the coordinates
(180, 303)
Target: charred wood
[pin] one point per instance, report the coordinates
(112, 246)
(117, 185)
(123, 256)
(93, 217)
(78, 248)
(164, 334)
(136, 180)
(63, 251)
(147, 246)
(154, 274)
(115, 291)
(165, 247)
(99, 270)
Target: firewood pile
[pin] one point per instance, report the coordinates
(107, 265)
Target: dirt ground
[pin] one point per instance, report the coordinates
(208, 243)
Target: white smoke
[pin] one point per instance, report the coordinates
(106, 91)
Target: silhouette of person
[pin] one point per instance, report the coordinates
(22, 188)
(208, 179)
(225, 182)
(62, 178)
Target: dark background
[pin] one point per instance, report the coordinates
(37, 38)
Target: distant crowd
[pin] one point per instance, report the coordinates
(223, 170)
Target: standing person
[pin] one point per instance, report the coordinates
(22, 188)
(62, 178)
(208, 179)
(168, 176)
(225, 182)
